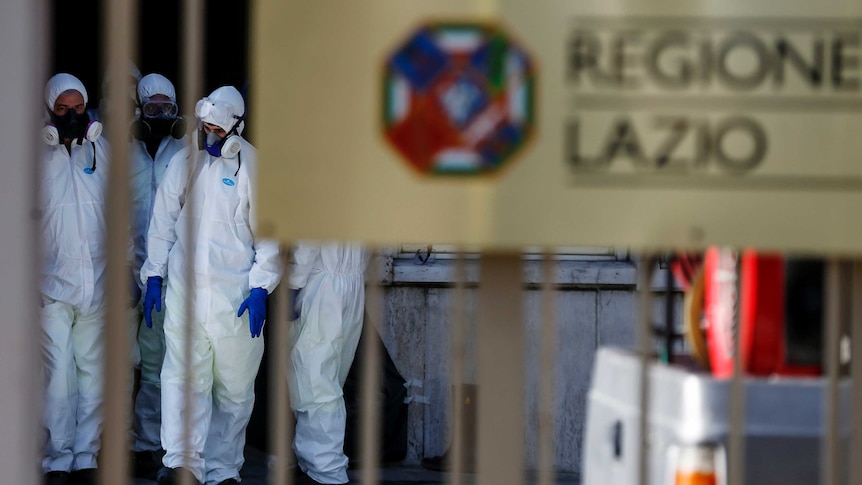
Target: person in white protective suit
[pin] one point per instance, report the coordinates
(233, 272)
(328, 284)
(72, 206)
(158, 133)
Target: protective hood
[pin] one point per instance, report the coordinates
(59, 84)
(224, 107)
(153, 84)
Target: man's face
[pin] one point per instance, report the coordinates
(211, 128)
(69, 100)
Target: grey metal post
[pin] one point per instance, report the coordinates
(501, 370)
(369, 426)
(280, 424)
(855, 454)
(548, 381)
(830, 452)
(458, 311)
(120, 32)
(645, 350)
(23, 52)
(736, 434)
(192, 58)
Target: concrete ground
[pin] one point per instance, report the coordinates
(255, 473)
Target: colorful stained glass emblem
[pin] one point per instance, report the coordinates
(458, 99)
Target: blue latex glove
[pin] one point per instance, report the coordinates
(294, 304)
(153, 298)
(256, 306)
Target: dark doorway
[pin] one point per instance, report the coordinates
(76, 43)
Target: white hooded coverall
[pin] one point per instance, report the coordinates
(72, 205)
(228, 261)
(146, 175)
(331, 279)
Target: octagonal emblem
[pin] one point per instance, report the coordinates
(459, 98)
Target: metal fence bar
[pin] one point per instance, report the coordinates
(192, 64)
(855, 454)
(830, 451)
(736, 433)
(458, 339)
(23, 53)
(547, 373)
(500, 370)
(280, 425)
(645, 349)
(369, 427)
(121, 34)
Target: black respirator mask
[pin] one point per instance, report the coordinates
(146, 129)
(157, 119)
(71, 125)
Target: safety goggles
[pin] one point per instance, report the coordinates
(160, 109)
(216, 114)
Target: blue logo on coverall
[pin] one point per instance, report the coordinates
(227, 182)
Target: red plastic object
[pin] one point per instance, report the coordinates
(761, 319)
(762, 312)
(760, 304)
(720, 304)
